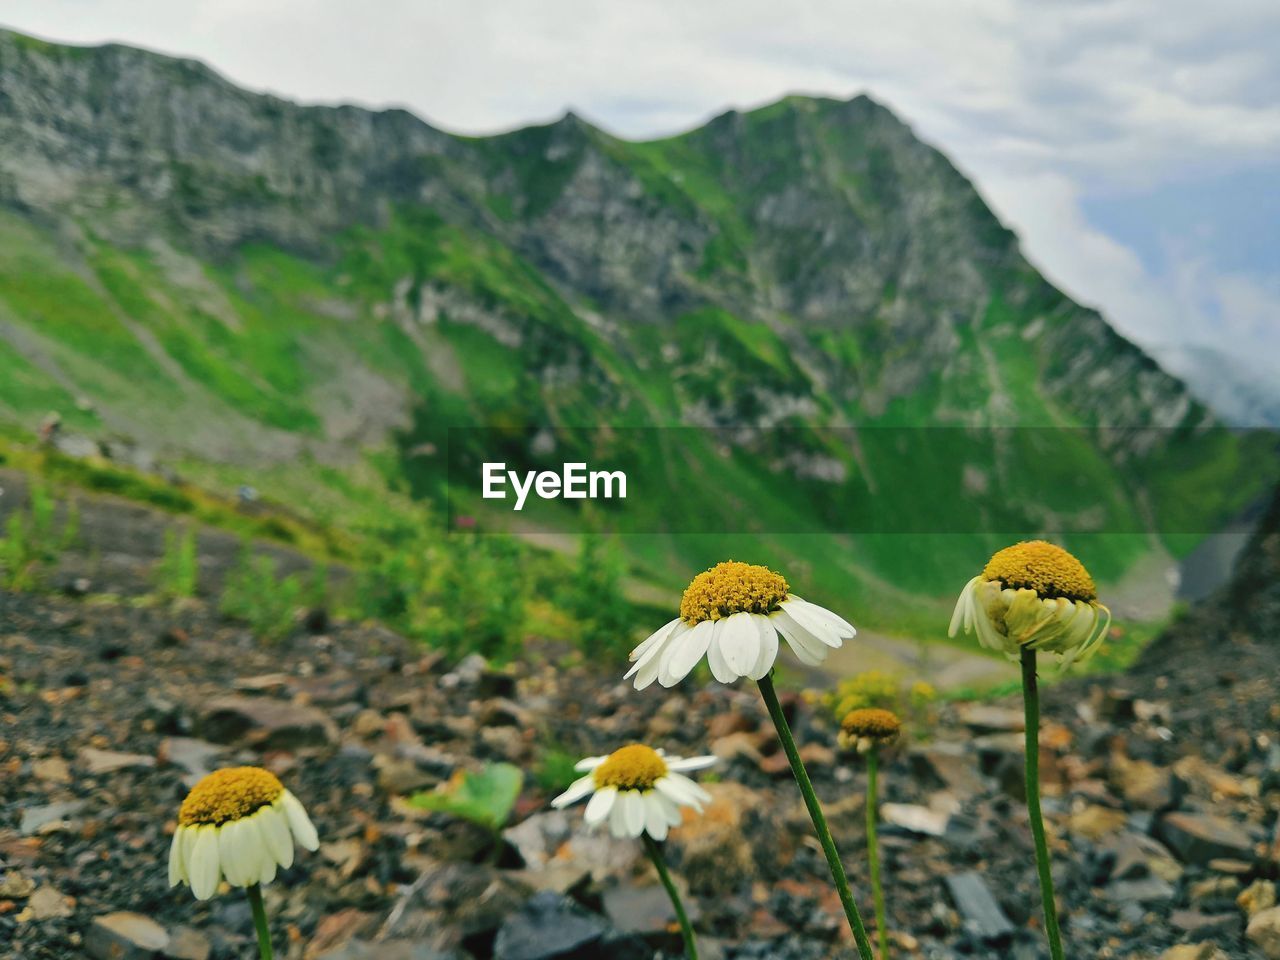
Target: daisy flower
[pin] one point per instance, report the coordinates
(869, 727)
(733, 615)
(239, 824)
(637, 789)
(1035, 596)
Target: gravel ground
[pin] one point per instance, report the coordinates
(1162, 790)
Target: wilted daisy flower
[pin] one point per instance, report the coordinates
(1036, 596)
(239, 823)
(733, 614)
(869, 727)
(637, 789)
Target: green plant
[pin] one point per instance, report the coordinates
(460, 592)
(253, 593)
(886, 691)
(593, 596)
(485, 798)
(33, 539)
(177, 572)
(555, 770)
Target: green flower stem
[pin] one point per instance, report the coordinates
(816, 815)
(873, 851)
(1031, 705)
(260, 921)
(660, 864)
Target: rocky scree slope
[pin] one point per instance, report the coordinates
(1162, 793)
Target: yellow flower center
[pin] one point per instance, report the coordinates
(732, 587)
(230, 794)
(1043, 567)
(634, 767)
(871, 722)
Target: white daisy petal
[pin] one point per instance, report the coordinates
(303, 830)
(618, 816)
(720, 668)
(655, 652)
(689, 764)
(633, 810)
(276, 836)
(808, 649)
(600, 804)
(204, 868)
(699, 795)
(768, 647)
(229, 854)
(654, 639)
(740, 643)
(676, 788)
(590, 763)
(802, 613)
(177, 872)
(577, 790)
(655, 816)
(837, 623)
(684, 653)
(648, 674)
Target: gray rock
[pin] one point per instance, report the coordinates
(644, 910)
(35, 819)
(548, 926)
(1201, 837)
(978, 908)
(265, 724)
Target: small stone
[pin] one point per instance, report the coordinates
(978, 908)
(197, 757)
(1264, 932)
(47, 904)
(401, 777)
(1200, 837)
(52, 770)
(16, 886)
(1145, 890)
(1212, 781)
(1096, 822)
(1214, 888)
(1138, 856)
(336, 930)
(1194, 951)
(915, 818)
(1258, 896)
(986, 718)
(548, 926)
(643, 910)
(367, 723)
(108, 761)
(1206, 924)
(187, 943)
(1142, 784)
(41, 818)
(265, 724)
(954, 766)
(125, 936)
(738, 745)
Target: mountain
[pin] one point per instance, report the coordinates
(1240, 393)
(303, 295)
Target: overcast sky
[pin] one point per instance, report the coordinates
(1134, 144)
